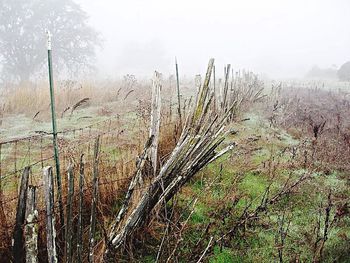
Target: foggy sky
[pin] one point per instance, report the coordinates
(280, 38)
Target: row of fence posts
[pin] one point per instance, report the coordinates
(25, 234)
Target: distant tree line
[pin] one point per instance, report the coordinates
(23, 41)
(342, 74)
(322, 73)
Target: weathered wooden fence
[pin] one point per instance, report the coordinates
(25, 164)
(96, 160)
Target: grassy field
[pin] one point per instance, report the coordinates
(281, 195)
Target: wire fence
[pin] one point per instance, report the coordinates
(16, 154)
(120, 142)
(37, 152)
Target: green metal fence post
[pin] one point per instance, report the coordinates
(54, 130)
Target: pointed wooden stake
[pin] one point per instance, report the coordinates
(94, 201)
(31, 228)
(155, 118)
(50, 215)
(18, 244)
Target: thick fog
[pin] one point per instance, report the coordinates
(273, 37)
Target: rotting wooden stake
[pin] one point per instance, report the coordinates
(3, 221)
(197, 146)
(80, 211)
(155, 118)
(178, 92)
(50, 215)
(31, 227)
(18, 244)
(227, 75)
(69, 212)
(214, 89)
(94, 201)
(198, 81)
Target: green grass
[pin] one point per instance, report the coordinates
(223, 255)
(199, 215)
(253, 185)
(257, 243)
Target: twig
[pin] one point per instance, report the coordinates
(206, 249)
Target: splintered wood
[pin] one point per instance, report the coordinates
(202, 134)
(155, 118)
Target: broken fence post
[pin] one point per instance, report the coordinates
(18, 244)
(69, 212)
(80, 211)
(6, 239)
(31, 227)
(227, 76)
(94, 201)
(178, 92)
(196, 147)
(155, 118)
(50, 216)
(214, 90)
(198, 81)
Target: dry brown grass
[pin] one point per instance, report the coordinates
(319, 117)
(31, 100)
(114, 175)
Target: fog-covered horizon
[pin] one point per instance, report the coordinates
(280, 39)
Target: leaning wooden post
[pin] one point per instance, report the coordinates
(198, 81)
(54, 131)
(227, 75)
(170, 99)
(0, 172)
(18, 244)
(196, 148)
(155, 118)
(94, 201)
(80, 211)
(214, 88)
(31, 228)
(50, 216)
(178, 92)
(69, 211)
(6, 239)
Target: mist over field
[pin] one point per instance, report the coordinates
(174, 131)
(282, 39)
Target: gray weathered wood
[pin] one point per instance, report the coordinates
(226, 85)
(203, 132)
(6, 239)
(95, 180)
(198, 81)
(214, 89)
(178, 92)
(196, 147)
(137, 180)
(50, 215)
(69, 213)
(18, 244)
(80, 211)
(31, 227)
(155, 118)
